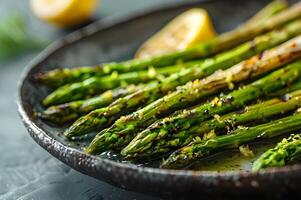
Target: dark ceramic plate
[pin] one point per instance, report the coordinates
(117, 40)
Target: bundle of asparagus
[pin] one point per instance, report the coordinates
(197, 150)
(72, 110)
(98, 118)
(148, 144)
(116, 137)
(151, 107)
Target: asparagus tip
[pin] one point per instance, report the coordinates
(87, 150)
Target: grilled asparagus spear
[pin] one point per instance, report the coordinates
(67, 112)
(269, 10)
(96, 119)
(223, 42)
(95, 85)
(124, 129)
(148, 144)
(285, 151)
(200, 149)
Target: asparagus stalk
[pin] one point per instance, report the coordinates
(201, 149)
(62, 76)
(149, 144)
(98, 118)
(223, 42)
(67, 112)
(269, 10)
(126, 127)
(95, 85)
(285, 151)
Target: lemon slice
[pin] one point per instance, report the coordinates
(64, 13)
(187, 29)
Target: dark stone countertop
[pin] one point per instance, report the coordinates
(26, 170)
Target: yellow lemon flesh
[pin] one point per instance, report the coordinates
(186, 30)
(64, 13)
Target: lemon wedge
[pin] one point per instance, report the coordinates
(186, 30)
(64, 13)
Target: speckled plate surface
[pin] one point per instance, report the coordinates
(117, 39)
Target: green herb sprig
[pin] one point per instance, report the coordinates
(14, 37)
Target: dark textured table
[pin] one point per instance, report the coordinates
(26, 170)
